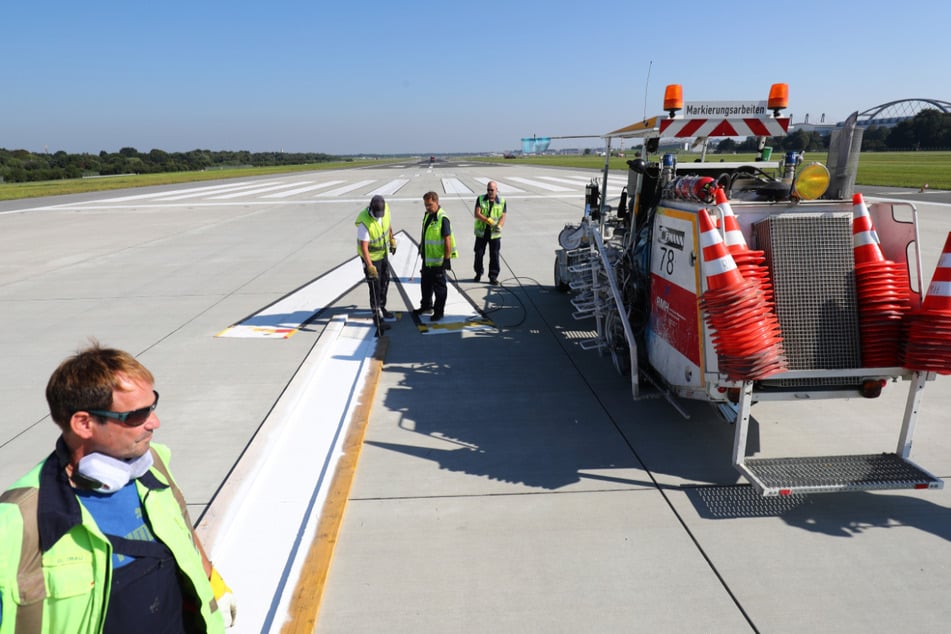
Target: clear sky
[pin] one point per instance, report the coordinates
(429, 77)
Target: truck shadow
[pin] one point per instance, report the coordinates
(528, 410)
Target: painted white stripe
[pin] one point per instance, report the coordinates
(251, 192)
(288, 313)
(301, 190)
(944, 262)
(541, 185)
(176, 191)
(570, 181)
(345, 189)
(504, 188)
(196, 193)
(280, 486)
(455, 186)
(390, 188)
(612, 186)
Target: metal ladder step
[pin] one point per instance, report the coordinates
(826, 474)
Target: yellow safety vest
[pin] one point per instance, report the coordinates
(379, 231)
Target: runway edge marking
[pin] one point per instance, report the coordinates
(309, 590)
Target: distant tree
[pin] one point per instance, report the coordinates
(726, 146)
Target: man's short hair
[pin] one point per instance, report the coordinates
(433, 196)
(87, 380)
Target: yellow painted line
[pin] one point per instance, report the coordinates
(309, 590)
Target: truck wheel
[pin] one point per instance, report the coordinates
(560, 284)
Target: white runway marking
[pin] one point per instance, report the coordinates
(541, 185)
(287, 315)
(504, 188)
(196, 193)
(345, 189)
(390, 188)
(455, 186)
(259, 190)
(301, 190)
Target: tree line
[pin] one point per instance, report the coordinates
(18, 166)
(930, 129)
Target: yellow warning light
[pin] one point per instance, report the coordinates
(673, 99)
(778, 98)
(812, 181)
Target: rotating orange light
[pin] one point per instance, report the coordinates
(778, 98)
(673, 98)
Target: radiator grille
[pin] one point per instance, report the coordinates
(812, 269)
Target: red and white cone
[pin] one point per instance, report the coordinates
(929, 332)
(746, 333)
(866, 246)
(751, 263)
(882, 289)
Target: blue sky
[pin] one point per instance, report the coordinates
(429, 77)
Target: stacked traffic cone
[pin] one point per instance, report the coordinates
(751, 263)
(929, 329)
(882, 292)
(747, 334)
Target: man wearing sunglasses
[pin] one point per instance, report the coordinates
(489, 215)
(97, 537)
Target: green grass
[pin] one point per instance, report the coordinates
(892, 169)
(11, 191)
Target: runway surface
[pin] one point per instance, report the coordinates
(507, 482)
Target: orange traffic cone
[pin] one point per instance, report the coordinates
(882, 289)
(938, 298)
(746, 333)
(929, 331)
(751, 264)
(734, 236)
(865, 243)
(718, 264)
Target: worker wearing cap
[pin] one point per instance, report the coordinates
(96, 538)
(374, 236)
(489, 217)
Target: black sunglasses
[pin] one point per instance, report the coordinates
(130, 419)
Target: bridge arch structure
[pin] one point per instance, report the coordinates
(891, 113)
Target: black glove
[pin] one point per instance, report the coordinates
(447, 265)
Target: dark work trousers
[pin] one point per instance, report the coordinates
(381, 285)
(432, 281)
(495, 247)
(146, 594)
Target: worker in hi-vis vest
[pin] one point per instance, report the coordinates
(489, 215)
(97, 538)
(437, 248)
(374, 237)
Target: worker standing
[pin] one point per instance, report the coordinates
(489, 215)
(374, 235)
(437, 248)
(96, 537)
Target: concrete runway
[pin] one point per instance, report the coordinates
(507, 482)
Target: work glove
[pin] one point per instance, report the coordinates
(392, 246)
(224, 597)
(447, 265)
(372, 273)
(490, 221)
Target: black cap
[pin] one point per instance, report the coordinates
(377, 204)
